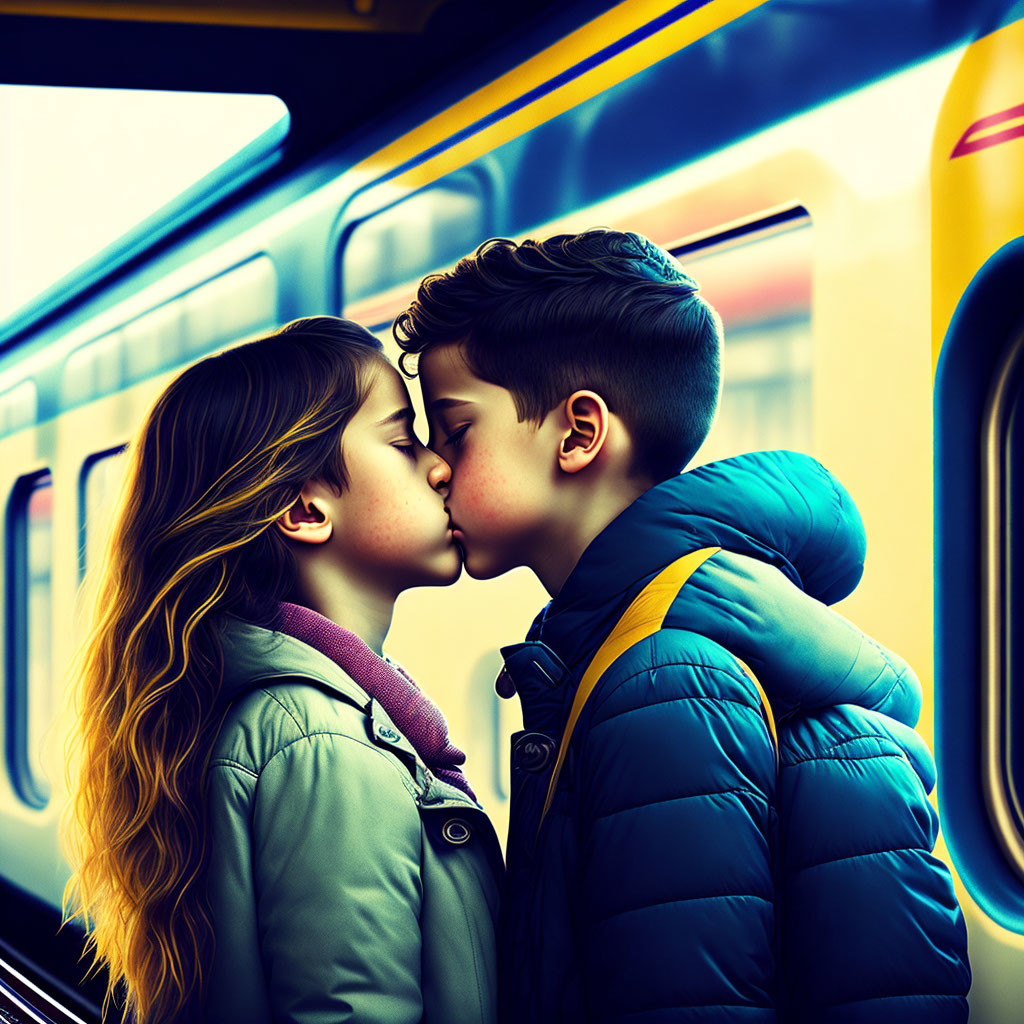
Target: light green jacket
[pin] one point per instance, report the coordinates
(347, 882)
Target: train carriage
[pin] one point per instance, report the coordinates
(843, 179)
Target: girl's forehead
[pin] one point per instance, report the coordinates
(387, 389)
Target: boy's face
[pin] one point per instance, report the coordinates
(501, 495)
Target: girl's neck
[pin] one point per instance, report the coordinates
(362, 611)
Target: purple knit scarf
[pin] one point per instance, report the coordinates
(418, 718)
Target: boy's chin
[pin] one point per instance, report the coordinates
(481, 568)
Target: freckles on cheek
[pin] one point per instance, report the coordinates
(378, 526)
(485, 494)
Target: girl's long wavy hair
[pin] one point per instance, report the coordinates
(223, 453)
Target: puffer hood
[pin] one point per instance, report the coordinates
(768, 511)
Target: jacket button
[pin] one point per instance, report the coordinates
(503, 685)
(456, 831)
(533, 752)
(386, 734)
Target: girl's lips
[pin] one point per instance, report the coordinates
(453, 529)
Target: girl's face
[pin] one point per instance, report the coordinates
(393, 517)
(390, 528)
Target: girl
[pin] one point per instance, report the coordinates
(269, 821)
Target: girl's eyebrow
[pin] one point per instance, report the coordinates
(397, 417)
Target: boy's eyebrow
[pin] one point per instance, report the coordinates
(448, 403)
(396, 417)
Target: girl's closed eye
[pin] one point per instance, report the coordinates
(407, 448)
(455, 438)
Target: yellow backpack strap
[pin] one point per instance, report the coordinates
(640, 620)
(765, 706)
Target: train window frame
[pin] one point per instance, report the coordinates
(32, 791)
(185, 319)
(363, 210)
(1002, 797)
(88, 465)
(19, 407)
(735, 236)
(981, 357)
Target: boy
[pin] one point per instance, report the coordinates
(671, 855)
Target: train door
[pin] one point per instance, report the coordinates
(978, 355)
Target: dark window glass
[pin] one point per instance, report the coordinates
(31, 703)
(100, 482)
(1002, 703)
(1013, 602)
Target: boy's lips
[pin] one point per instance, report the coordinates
(455, 531)
(457, 534)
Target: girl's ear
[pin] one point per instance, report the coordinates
(588, 417)
(306, 521)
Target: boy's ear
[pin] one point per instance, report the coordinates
(587, 413)
(306, 521)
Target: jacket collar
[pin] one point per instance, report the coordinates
(780, 507)
(254, 655)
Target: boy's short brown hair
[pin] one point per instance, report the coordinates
(605, 310)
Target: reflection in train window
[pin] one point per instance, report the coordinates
(99, 484)
(30, 703)
(760, 283)
(234, 305)
(94, 369)
(153, 341)
(398, 246)
(231, 306)
(18, 407)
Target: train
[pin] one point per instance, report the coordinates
(845, 180)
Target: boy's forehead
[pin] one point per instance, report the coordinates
(443, 371)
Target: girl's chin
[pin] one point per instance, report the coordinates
(452, 567)
(440, 571)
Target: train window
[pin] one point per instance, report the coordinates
(100, 172)
(18, 407)
(30, 703)
(99, 483)
(237, 303)
(396, 247)
(94, 369)
(153, 342)
(233, 305)
(759, 279)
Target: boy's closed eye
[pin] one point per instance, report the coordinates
(454, 439)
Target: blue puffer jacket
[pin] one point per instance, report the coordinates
(681, 874)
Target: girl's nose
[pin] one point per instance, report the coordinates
(439, 473)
